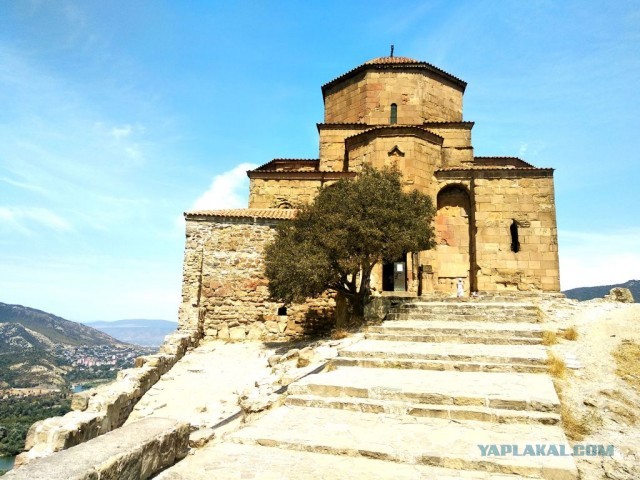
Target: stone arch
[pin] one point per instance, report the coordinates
(455, 238)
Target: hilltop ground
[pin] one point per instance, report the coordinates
(601, 408)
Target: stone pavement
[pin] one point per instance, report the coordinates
(408, 420)
(202, 387)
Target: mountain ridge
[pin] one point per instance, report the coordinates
(40, 349)
(599, 291)
(145, 332)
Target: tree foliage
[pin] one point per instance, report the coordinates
(335, 242)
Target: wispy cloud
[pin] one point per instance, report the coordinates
(27, 219)
(121, 132)
(228, 190)
(24, 185)
(588, 259)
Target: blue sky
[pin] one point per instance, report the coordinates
(117, 116)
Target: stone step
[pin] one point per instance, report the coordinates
(411, 440)
(466, 311)
(456, 316)
(445, 338)
(475, 353)
(470, 305)
(457, 332)
(510, 391)
(441, 365)
(230, 461)
(451, 412)
(524, 330)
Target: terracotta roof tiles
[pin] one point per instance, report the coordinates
(395, 62)
(262, 213)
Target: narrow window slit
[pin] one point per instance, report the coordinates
(515, 243)
(393, 119)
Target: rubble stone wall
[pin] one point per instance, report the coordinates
(530, 203)
(225, 293)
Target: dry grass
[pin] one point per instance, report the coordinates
(330, 366)
(623, 409)
(627, 358)
(557, 367)
(339, 334)
(571, 333)
(549, 338)
(576, 427)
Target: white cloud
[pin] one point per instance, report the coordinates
(21, 218)
(121, 132)
(228, 190)
(522, 153)
(24, 185)
(589, 259)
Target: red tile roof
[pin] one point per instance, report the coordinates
(266, 213)
(387, 60)
(489, 167)
(288, 162)
(395, 62)
(501, 161)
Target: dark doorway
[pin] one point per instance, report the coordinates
(390, 270)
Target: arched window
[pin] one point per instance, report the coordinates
(515, 243)
(394, 114)
(282, 310)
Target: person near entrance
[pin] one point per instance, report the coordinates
(460, 288)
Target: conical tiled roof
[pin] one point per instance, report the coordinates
(395, 62)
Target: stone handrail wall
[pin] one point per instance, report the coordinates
(138, 451)
(105, 408)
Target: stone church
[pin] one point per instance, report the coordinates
(495, 223)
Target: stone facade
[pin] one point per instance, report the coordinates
(225, 293)
(495, 223)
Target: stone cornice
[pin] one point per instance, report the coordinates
(299, 175)
(396, 131)
(492, 172)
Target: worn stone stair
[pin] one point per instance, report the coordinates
(415, 399)
(452, 395)
(509, 312)
(475, 357)
(231, 461)
(409, 440)
(457, 331)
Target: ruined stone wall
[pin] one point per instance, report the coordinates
(273, 193)
(420, 98)
(530, 202)
(232, 300)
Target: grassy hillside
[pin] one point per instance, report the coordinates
(588, 293)
(56, 329)
(41, 350)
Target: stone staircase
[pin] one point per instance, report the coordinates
(414, 400)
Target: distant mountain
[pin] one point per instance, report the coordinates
(56, 329)
(148, 333)
(34, 346)
(588, 293)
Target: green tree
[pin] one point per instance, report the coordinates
(335, 242)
